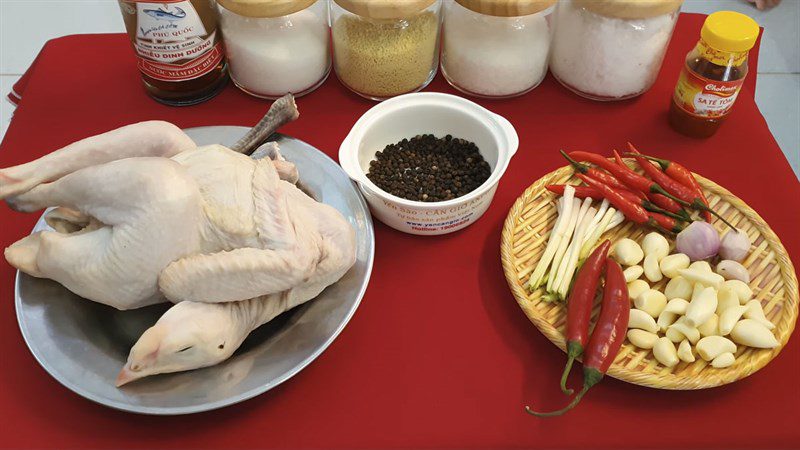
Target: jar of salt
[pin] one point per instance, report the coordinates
(276, 47)
(611, 49)
(385, 48)
(496, 48)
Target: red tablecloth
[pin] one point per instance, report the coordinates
(439, 354)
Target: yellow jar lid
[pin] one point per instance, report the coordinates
(730, 31)
(630, 9)
(265, 8)
(507, 8)
(384, 9)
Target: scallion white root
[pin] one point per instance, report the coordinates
(564, 244)
(565, 213)
(595, 234)
(571, 260)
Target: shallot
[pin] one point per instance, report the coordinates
(698, 241)
(735, 245)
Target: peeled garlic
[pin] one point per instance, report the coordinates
(655, 244)
(702, 266)
(636, 287)
(706, 278)
(752, 334)
(755, 311)
(643, 321)
(670, 265)
(677, 306)
(633, 273)
(726, 298)
(712, 346)
(665, 353)
(729, 318)
(627, 252)
(685, 352)
(681, 329)
(651, 269)
(732, 270)
(697, 289)
(711, 327)
(724, 360)
(701, 308)
(665, 319)
(678, 287)
(741, 289)
(651, 301)
(642, 339)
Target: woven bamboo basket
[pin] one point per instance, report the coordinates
(773, 281)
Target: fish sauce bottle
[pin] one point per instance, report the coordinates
(713, 74)
(178, 49)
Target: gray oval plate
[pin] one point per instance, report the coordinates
(83, 344)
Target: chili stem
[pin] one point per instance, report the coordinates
(696, 204)
(565, 375)
(563, 410)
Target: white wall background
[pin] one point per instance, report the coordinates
(25, 25)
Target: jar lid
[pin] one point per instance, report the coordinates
(730, 31)
(265, 8)
(384, 9)
(507, 8)
(630, 9)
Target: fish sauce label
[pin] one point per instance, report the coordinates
(705, 98)
(174, 40)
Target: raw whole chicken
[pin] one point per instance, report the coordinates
(143, 215)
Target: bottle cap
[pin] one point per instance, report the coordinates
(730, 31)
(265, 8)
(385, 9)
(507, 8)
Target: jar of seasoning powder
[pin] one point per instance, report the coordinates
(611, 49)
(496, 48)
(276, 47)
(384, 48)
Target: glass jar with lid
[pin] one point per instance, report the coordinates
(276, 47)
(611, 49)
(385, 48)
(496, 48)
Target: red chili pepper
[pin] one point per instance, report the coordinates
(663, 202)
(681, 174)
(632, 211)
(607, 337)
(590, 192)
(633, 180)
(600, 175)
(667, 223)
(579, 307)
(678, 192)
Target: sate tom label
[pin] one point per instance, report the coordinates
(171, 41)
(706, 98)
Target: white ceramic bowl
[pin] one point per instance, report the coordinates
(407, 116)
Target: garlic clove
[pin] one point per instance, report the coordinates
(633, 273)
(703, 277)
(636, 287)
(670, 265)
(712, 346)
(725, 299)
(665, 352)
(753, 334)
(651, 269)
(741, 289)
(678, 287)
(729, 318)
(655, 244)
(732, 270)
(627, 252)
(697, 289)
(701, 308)
(651, 301)
(685, 353)
(723, 360)
(685, 329)
(665, 319)
(754, 310)
(642, 339)
(677, 306)
(702, 266)
(710, 327)
(643, 321)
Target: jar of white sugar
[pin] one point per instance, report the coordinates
(611, 49)
(496, 48)
(385, 48)
(276, 47)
